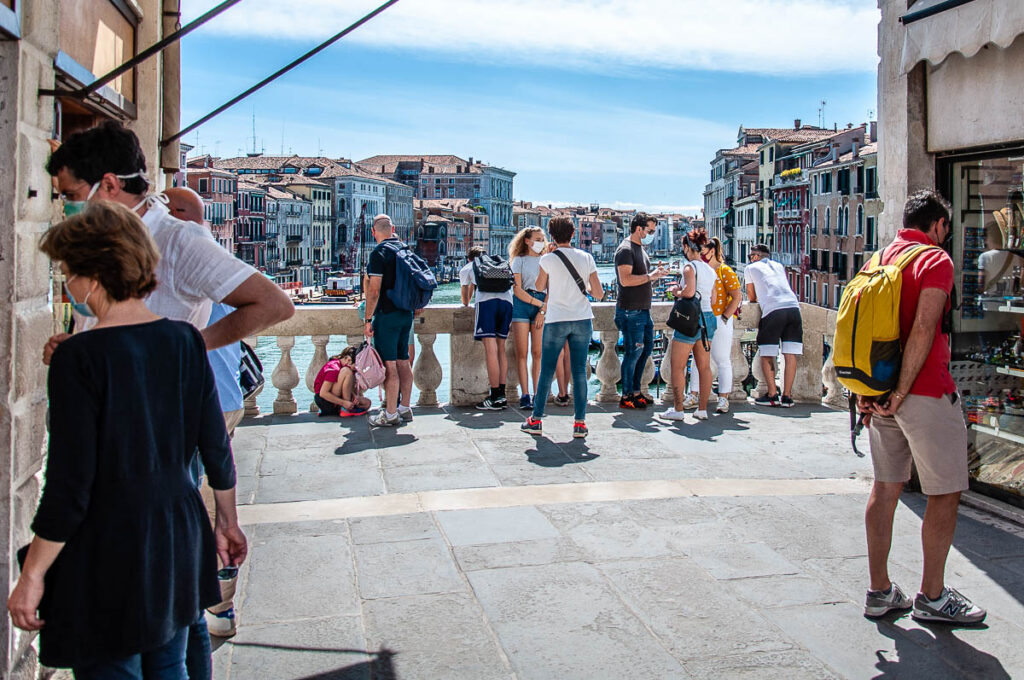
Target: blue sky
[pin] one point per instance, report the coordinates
(614, 101)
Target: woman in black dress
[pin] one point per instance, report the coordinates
(123, 557)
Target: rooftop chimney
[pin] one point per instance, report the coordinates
(471, 160)
(874, 131)
(856, 150)
(796, 124)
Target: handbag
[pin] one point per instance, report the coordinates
(250, 371)
(686, 317)
(572, 272)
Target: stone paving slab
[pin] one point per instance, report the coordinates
(453, 548)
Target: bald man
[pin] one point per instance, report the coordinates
(185, 204)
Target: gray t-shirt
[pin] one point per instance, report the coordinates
(527, 267)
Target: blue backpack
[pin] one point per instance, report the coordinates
(414, 282)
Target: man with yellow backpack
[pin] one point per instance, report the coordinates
(892, 350)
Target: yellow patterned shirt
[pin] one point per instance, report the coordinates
(722, 298)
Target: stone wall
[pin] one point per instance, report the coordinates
(27, 208)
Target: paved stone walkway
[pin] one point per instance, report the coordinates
(457, 547)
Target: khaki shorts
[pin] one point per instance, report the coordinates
(931, 433)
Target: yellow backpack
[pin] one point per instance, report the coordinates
(867, 350)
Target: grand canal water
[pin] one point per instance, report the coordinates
(302, 354)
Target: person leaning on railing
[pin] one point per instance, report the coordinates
(123, 557)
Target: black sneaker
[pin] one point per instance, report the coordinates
(768, 400)
(629, 402)
(488, 404)
(562, 400)
(501, 402)
(787, 402)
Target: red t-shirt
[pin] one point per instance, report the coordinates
(329, 373)
(931, 269)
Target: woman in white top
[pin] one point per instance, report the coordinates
(567, 275)
(527, 323)
(698, 278)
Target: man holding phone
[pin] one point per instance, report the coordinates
(633, 307)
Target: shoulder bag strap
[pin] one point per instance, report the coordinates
(572, 272)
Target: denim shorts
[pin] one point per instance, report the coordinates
(710, 320)
(524, 312)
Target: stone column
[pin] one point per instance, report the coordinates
(469, 371)
(426, 374)
(285, 378)
(739, 366)
(512, 380)
(666, 374)
(609, 368)
(252, 409)
(318, 361)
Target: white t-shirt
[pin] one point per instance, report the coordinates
(194, 270)
(467, 277)
(771, 286)
(527, 266)
(565, 301)
(705, 282)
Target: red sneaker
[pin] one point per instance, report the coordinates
(579, 429)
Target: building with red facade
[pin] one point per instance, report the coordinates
(217, 189)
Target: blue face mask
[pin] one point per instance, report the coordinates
(647, 240)
(82, 307)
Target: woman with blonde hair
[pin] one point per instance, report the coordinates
(725, 304)
(527, 323)
(124, 558)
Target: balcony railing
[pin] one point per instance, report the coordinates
(467, 368)
(293, 238)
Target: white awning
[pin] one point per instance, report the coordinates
(965, 28)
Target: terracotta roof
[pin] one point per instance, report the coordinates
(289, 180)
(281, 194)
(442, 163)
(746, 150)
(244, 185)
(453, 204)
(276, 162)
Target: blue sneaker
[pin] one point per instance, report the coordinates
(526, 402)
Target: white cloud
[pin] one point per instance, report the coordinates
(751, 36)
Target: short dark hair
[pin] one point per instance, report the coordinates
(108, 147)
(640, 221)
(109, 243)
(924, 208)
(475, 252)
(763, 249)
(561, 229)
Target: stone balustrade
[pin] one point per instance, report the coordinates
(467, 371)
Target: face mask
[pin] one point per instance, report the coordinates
(81, 307)
(647, 240)
(150, 201)
(537, 246)
(75, 207)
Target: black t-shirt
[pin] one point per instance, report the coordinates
(633, 297)
(382, 264)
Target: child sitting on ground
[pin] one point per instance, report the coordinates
(335, 391)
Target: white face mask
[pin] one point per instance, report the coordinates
(537, 246)
(151, 200)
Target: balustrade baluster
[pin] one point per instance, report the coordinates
(666, 371)
(608, 367)
(647, 378)
(252, 409)
(512, 379)
(318, 361)
(427, 371)
(834, 395)
(285, 378)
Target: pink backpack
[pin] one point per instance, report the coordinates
(368, 367)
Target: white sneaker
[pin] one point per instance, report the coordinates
(221, 625)
(701, 415)
(690, 402)
(723, 405)
(672, 414)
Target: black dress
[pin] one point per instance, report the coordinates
(129, 406)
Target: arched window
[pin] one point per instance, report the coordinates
(814, 222)
(860, 220)
(846, 220)
(828, 220)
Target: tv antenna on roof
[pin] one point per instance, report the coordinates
(821, 114)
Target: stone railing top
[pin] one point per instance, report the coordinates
(457, 319)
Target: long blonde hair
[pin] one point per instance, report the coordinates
(517, 248)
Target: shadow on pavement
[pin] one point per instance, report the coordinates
(378, 667)
(483, 420)
(918, 652)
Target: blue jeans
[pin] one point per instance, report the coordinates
(198, 652)
(637, 330)
(166, 662)
(578, 335)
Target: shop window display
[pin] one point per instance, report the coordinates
(988, 350)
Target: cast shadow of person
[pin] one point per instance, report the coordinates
(940, 654)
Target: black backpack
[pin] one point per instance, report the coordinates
(493, 274)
